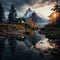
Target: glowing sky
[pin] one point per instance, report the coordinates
(44, 11)
(41, 7)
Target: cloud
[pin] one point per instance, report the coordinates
(19, 3)
(22, 5)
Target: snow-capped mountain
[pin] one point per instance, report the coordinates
(28, 13)
(32, 14)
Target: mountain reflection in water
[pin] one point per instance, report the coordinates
(23, 49)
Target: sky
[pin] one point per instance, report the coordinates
(41, 7)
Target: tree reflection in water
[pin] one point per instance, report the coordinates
(24, 49)
(1, 47)
(12, 44)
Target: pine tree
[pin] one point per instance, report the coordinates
(12, 15)
(1, 13)
(59, 16)
(57, 9)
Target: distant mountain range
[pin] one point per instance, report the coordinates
(32, 14)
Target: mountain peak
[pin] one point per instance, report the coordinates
(32, 14)
(28, 13)
(29, 10)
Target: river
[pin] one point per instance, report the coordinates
(17, 49)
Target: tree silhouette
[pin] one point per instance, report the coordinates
(12, 15)
(1, 47)
(1, 13)
(12, 44)
(57, 9)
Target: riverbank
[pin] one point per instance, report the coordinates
(51, 32)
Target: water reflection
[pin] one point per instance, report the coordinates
(33, 37)
(12, 44)
(1, 46)
(23, 46)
